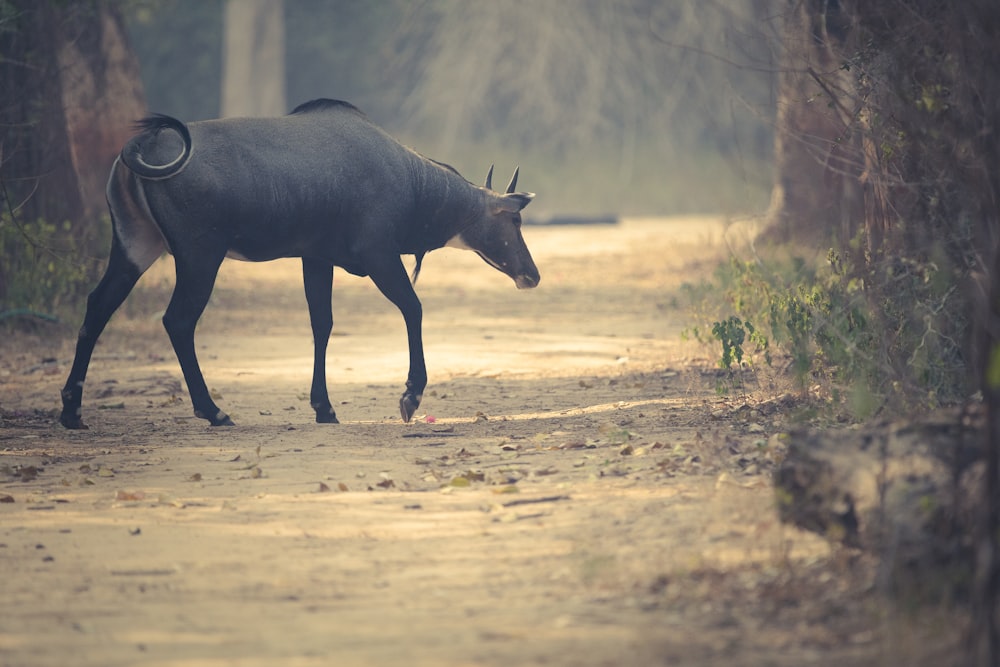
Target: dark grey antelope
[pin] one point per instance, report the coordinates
(323, 183)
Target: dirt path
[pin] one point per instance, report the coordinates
(574, 493)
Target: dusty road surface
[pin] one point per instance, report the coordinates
(574, 491)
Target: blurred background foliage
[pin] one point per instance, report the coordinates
(613, 106)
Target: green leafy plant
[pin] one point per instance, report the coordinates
(732, 333)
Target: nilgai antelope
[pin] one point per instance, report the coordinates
(323, 183)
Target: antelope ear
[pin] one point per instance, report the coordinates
(514, 202)
(489, 179)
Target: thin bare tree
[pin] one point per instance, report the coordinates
(253, 81)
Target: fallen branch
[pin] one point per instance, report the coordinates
(532, 501)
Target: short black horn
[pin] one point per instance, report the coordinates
(513, 181)
(489, 178)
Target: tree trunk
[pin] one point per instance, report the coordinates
(816, 194)
(102, 97)
(69, 91)
(253, 81)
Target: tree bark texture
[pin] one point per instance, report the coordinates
(69, 93)
(816, 193)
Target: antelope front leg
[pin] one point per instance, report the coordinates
(416, 380)
(390, 277)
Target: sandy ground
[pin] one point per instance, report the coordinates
(574, 492)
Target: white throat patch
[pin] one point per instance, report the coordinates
(457, 241)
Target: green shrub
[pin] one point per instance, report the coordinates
(891, 340)
(44, 270)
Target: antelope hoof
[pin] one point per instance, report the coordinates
(408, 405)
(72, 422)
(329, 417)
(222, 419)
